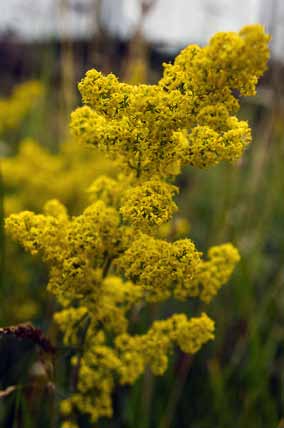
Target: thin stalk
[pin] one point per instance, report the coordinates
(176, 392)
(107, 266)
(75, 374)
(148, 381)
(148, 392)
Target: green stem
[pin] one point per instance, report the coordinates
(149, 381)
(148, 390)
(107, 266)
(75, 374)
(176, 393)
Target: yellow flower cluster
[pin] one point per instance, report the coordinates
(35, 175)
(111, 260)
(149, 204)
(31, 177)
(107, 189)
(187, 118)
(153, 348)
(71, 246)
(14, 109)
(216, 271)
(162, 268)
(128, 357)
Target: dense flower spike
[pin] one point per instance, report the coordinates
(149, 204)
(110, 261)
(162, 268)
(187, 118)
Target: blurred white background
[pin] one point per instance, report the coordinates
(170, 24)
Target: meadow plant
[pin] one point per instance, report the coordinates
(14, 108)
(32, 176)
(13, 111)
(65, 175)
(111, 261)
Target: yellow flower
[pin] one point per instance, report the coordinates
(149, 204)
(109, 262)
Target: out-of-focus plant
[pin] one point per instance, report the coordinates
(31, 177)
(35, 175)
(13, 111)
(110, 261)
(14, 108)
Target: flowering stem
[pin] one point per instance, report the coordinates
(84, 332)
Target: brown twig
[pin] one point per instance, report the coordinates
(28, 331)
